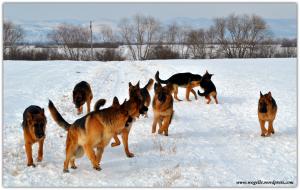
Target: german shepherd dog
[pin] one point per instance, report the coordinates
(136, 105)
(184, 80)
(146, 98)
(82, 93)
(93, 130)
(34, 126)
(267, 109)
(209, 88)
(162, 107)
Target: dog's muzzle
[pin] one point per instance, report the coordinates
(263, 108)
(143, 110)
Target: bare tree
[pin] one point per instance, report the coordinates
(210, 40)
(107, 34)
(71, 38)
(171, 35)
(238, 35)
(139, 34)
(196, 41)
(12, 36)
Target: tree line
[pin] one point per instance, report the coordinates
(234, 36)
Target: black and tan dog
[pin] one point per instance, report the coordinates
(184, 80)
(209, 88)
(136, 106)
(146, 98)
(267, 109)
(34, 126)
(94, 130)
(162, 107)
(82, 93)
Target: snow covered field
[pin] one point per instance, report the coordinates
(208, 145)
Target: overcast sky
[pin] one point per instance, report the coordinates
(116, 11)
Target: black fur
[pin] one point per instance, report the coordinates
(99, 104)
(207, 85)
(181, 79)
(79, 93)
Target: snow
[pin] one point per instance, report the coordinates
(208, 145)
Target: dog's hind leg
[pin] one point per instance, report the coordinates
(70, 149)
(40, 151)
(91, 155)
(99, 154)
(73, 165)
(125, 143)
(214, 95)
(117, 141)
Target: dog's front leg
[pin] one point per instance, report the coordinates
(125, 134)
(40, 152)
(28, 148)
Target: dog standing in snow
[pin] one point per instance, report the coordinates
(267, 109)
(162, 108)
(82, 93)
(34, 125)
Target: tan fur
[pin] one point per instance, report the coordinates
(269, 116)
(99, 127)
(30, 137)
(134, 104)
(163, 111)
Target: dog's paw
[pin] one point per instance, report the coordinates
(39, 159)
(129, 155)
(31, 164)
(66, 171)
(114, 144)
(98, 168)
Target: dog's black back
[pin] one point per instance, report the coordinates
(180, 79)
(80, 93)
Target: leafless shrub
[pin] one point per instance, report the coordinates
(12, 36)
(109, 55)
(70, 37)
(161, 52)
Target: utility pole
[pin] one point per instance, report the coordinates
(91, 40)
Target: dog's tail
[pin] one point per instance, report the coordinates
(202, 94)
(149, 85)
(57, 117)
(160, 80)
(99, 104)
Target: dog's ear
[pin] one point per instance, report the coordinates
(261, 95)
(269, 94)
(43, 110)
(116, 102)
(156, 86)
(138, 84)
(130, 85)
